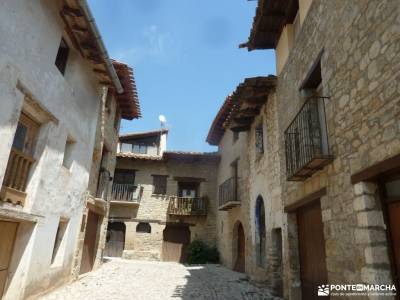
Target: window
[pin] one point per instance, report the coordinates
(139, 148)
(160, 184)
(25, 135)
(62, 56)
(188, 189)
(260, 232)
(314, 77)
(123, 176)
(143, 228)
(259, 135)
(61, 229)
(68, 153)
(108, 101)
(117, 119)
(235, 136)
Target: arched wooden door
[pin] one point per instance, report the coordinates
(241, 250)
(115, 241)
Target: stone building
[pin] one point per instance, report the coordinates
(249, 218)
(160, 200)
(337, 99)
(114, 107)
(53, 67)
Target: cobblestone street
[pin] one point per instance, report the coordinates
(122, 279)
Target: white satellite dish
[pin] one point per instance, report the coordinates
(162, 119)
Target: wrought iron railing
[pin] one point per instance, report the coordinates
(183, 206)
(306, 142)
(126, 192)
(228, 191)
(16, 177)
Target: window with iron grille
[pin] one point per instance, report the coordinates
(160, 184)
(259, 139)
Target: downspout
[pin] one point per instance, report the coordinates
(110, 68)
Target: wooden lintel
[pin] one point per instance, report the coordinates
(305, 200)
(109, 83)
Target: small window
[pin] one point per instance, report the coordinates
(259, 135)
(235, 136)
(160, 184)
(117, 119)
(108, 101)
(123, 176)
(61, 229)
(188, 189)
(314, 76)
(143, 228)
(62, 57)
(68, 153)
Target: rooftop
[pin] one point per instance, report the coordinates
(143, 134)
(271, 16)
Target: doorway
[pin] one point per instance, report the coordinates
(390, 191)
(115, 241)
(8, 232)
(240, 264)
(176, 238)
(313, 270)
(90, 242)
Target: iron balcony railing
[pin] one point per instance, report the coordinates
(184, 206)
(126, 192)
(228, 191)
(306, 141)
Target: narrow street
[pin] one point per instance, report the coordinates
(126, 279)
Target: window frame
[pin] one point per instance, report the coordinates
(157, 188)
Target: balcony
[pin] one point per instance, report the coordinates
(179, 206)
(306, 141)
(16, 177)
(126, 193)
(228, 194)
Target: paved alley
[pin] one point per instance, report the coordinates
(125, 279)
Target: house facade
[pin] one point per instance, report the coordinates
(160, 200)
(338, 107)
(114, 107)
(54, 68)
(249, 218)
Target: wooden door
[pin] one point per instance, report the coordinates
(115, 241)
(240, 264)
(394, 225)
(90, 243)
(175, 241)
(8, 231)
(311, 250)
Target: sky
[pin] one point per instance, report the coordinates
(185, 57)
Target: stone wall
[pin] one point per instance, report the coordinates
(153, 209)
(360, 71)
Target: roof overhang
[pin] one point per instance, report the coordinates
(271, 16)
(239, 109)
(83, 33)
(128, 101)
(143, 134)
(248, 99)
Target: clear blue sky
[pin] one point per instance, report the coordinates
(185, 57)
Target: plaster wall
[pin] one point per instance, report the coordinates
(31, 33)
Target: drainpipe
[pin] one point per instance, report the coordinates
(86, 10)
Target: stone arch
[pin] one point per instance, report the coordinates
(260, 232)
(239, 247)
(143, 227)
